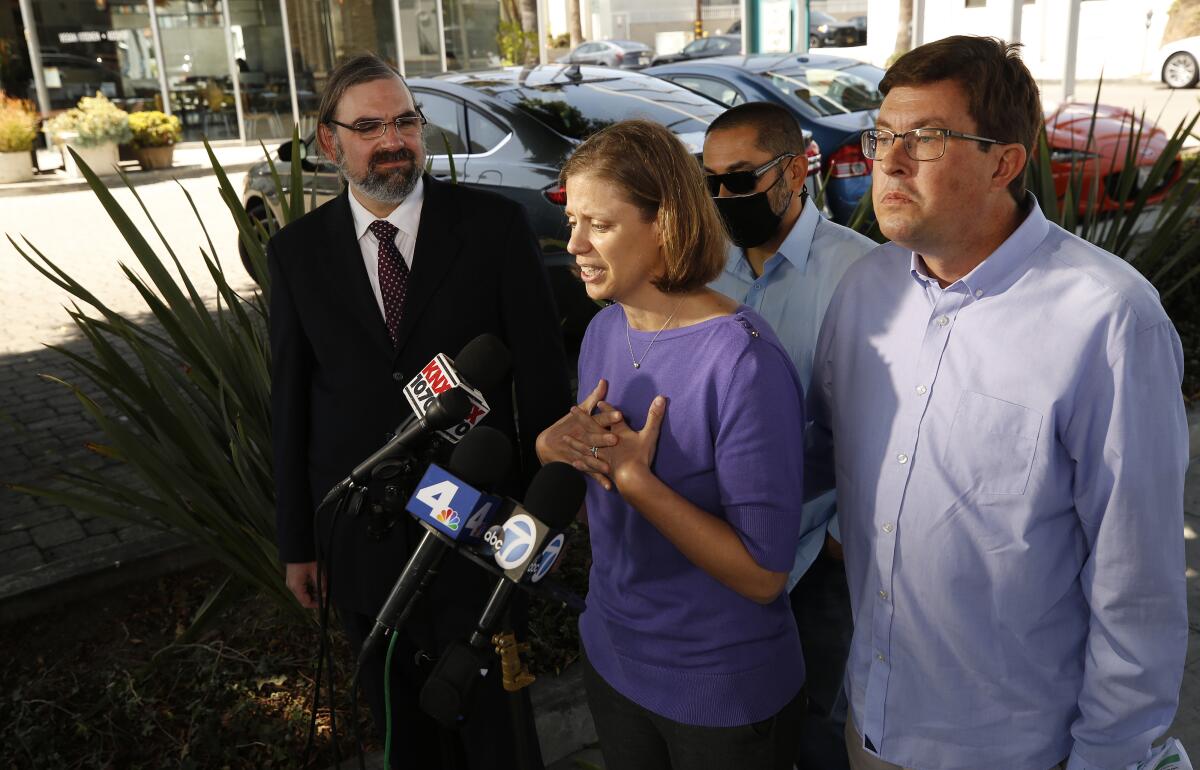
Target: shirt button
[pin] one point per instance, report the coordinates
(979, 292)
(888, 527)
(879, 656)
(397, 376)
(922, 390)
(882, 594)
(942, 320)
(902, 458)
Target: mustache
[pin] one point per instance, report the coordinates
(392, 156)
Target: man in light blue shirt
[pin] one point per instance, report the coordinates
(1009, 444)
(785, 262)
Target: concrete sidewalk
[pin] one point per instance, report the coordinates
(190, 160)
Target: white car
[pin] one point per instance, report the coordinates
(1177, 63)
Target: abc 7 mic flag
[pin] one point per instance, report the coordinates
(516, 547)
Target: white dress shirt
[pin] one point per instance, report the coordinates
(406, 217)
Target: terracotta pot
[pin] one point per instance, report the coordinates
(15, 167)
(155, 157)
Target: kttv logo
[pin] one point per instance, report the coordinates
(448, 517)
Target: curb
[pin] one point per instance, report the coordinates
(37, 590)
(187, 171)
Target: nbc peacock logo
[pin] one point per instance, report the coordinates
(448, 517)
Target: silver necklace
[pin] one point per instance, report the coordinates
(637, 362)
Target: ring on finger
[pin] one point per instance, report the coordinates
(595, 452)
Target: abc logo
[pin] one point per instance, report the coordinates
(519, 534)
(545, 560)
(494, 537)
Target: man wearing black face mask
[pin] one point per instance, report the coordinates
(785, 262)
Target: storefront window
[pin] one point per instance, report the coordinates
(96, 45)
(197, 64)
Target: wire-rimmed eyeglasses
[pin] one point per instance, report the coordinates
(919, 143)
(406, 125)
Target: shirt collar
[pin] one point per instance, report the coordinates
(406, 217)
(795, 248)
(989, 273)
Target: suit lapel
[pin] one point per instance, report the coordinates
(348, 274)
(436, 251)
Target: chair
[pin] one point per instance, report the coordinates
(214, 97)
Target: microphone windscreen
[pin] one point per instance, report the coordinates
(555, 494)
(483, 362)
(483, 457)
(448, 410)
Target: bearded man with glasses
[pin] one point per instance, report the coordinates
(365, 291)
(785, 261)
(998, 402)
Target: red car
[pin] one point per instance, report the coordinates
(1067, 132)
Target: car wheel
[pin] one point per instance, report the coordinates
(1180, 70)
(258, 213)
(814, 41)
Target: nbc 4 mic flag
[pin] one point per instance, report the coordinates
(452, 506)
(436, 378)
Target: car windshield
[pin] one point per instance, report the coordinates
(577, 110)
(830, 91)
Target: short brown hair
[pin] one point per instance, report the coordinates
(652, 169)
(1002, 96)
(363, 68)
(776, 129)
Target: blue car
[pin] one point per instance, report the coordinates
(832, 96)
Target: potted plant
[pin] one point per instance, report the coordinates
(18, 130)
(154, 137)
(92, 129)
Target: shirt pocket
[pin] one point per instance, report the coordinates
(992, 445)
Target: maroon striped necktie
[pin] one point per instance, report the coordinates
(393, 276)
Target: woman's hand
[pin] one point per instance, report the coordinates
(570, 440)
(631, 455)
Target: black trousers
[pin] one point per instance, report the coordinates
(821, 605)
(488, 738)
(632, 738)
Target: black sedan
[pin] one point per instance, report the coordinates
(826, 31)
(508, 131)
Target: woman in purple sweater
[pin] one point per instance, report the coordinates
(693, 437)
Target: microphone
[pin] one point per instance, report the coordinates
(482, 364)
(483, 457)
(551, 502)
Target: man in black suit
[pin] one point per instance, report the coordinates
(365, 290)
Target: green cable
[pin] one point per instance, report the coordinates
(387, 702)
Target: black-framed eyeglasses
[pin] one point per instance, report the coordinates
(919, 143)
(742, 182)
(406, 125)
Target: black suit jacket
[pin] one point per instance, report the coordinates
(337, 382)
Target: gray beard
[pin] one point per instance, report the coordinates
(385, 187)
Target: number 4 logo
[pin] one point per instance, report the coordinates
(479, 519)
(438, 496)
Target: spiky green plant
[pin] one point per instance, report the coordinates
(186, 397)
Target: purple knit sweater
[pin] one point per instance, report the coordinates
(659, 629)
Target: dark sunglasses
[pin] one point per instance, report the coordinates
(741, 182)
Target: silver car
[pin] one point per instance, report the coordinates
(625, 54)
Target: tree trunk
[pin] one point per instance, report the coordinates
(904, 32)
(573, 21)
(529, 23)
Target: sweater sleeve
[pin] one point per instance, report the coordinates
(760, 453)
